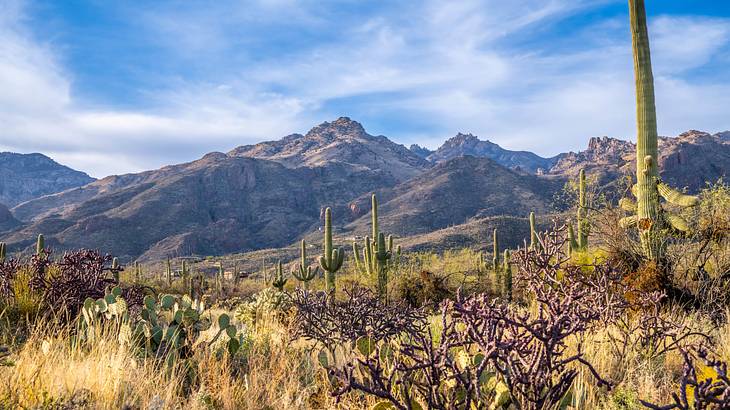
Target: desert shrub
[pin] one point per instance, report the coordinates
(422, 289)
(263, 306)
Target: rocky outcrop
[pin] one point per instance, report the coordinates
(468, 144)
(420, 151)
(27, 176)
(341, 141)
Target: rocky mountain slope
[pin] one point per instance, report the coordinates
(689, 160)
(468, 144)
(28, 176)
(454, 191)
(341, 141)
(271, 194)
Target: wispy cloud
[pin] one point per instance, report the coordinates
(416, 71)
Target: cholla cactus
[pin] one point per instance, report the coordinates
(279, 280)
(332, 259)
(303, 272)
(650, 218)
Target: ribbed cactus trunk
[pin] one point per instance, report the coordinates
(168, 272)
(40, 245)
(495, 250)
(507, 276)
(374, 217)
(533, 232)
(137, 271)
(329, 276)
(582, 212)
(650, 222)
(2, 251)
(115, 269)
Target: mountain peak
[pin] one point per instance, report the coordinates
(341, 127)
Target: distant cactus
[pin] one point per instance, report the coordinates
(332, 259)
(507, 275)
(378, 255)
(572, 243)
(303, 272)
(219, 279)
(279, 280)
(40, 245)
(495, 250)
(2, 251)
(168, 271)
(534, 240)
(115, 269)
(581, 241)
(137, 271)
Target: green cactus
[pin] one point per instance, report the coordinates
(507, 275)
(534, 240)
(40, 244)
(304, 273)
(115, 269)
(495, 250)
(332, 259)
(650, 217)
(377, 260)
(219, 279)
(168, 271)
(572, 243)
(2, 251)
(582, 212)
(137, 271)
(279, 281)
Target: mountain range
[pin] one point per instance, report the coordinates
(271, 194)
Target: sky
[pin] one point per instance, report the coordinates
(111, 87)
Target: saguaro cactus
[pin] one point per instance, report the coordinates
(507, 276)
(304, 273)
(168, 271)
(534, 241)
(219, 279)
(137, 271)
(279, 280)
(495, 250)
(650, 218)
(378, 253)
(115, 269)
(332, 259)
(40, 245)
(2, 251)
(582, 212)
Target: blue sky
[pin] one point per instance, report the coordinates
(121, 86)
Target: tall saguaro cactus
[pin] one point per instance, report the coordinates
(304, 273)
(650, 217)
(115, 269)
(332, 259)
(507, 275)
(40, 244)
(168, 271)
(582, 212)
(534, 241)
(378, 253)
(495, 250)
(2, 251)
(279, 280)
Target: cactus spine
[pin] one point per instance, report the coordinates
(649, 216)
(303, 272)
(279, 280)
(332, 259)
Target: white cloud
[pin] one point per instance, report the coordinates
(448, 65)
